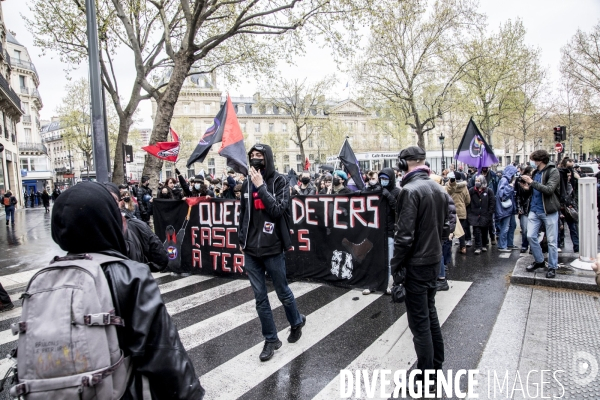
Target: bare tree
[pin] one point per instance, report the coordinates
(407, 59)
(305, 104)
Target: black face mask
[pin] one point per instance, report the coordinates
(305, 180)
(257, 163)
(336, 181)
(126, 199)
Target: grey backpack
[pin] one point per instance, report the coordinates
(68, 347)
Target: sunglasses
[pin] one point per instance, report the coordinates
(259, 147)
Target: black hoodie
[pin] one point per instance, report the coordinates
(390, 194)
(86, 219)
(264, 211)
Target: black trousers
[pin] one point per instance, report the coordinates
(4, 297)
(424, 323)
(481, 236)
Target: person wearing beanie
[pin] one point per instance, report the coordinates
(86, 219)
(339, 183)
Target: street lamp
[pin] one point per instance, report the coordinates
(581, 149)
(442, 143)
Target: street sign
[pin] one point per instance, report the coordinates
(559, 147)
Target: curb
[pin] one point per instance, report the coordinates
(567, 277)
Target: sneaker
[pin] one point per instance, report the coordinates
(551, 273)
(269, 350)
(523, 250)
(575, 249)
(388, 291)
(514, 247)
(6, 307)
(484, 249)
(506, 250)
(469, 243)
(559, 250)
(535, 265)
(366, 291)
(296, 331)
(477, 251)
(442, 285)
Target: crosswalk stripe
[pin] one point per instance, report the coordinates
(394, 349)
(181, 283)
(203, 331)
(235, 377)
(185, 303)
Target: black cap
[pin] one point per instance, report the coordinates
(199, 178)
(412, 153)
(145, 179)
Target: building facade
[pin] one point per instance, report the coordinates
(10, 116)
(34, 161)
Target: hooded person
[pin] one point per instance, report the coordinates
(86, 219)
(144, 199)
(506, 209)
(390, 192)
(264, 236)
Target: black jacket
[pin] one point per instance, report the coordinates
(143, 245)
(451, 225)
(522, 197)
(145, 207)
(310, 190)
(149, 337)
(481, 210)
(390, 194)
(422, 212)
(256, 234)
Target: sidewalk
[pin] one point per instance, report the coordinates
(543, 329)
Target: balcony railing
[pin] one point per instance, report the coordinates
(24, 90)
(23, 64)
(27, 146)
(26, 119)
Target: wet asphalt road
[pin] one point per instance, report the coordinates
(303, 376)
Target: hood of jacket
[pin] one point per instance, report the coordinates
(456, 187)
(86, 219)
(267, 152)
(392, 175)
(509, 172)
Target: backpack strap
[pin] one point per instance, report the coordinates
(87, 379)
(102, 319)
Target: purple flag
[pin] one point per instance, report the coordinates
(474, 150)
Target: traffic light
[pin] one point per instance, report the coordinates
(557, 134)
(563, 131)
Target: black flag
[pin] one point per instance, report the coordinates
(350, 162)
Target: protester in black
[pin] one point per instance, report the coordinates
(46, 200)
(144, 199)
(481, 212)
(339, 183)
(264, 236)
(304, 186)
(86, 219)
(422, 213)
(9, 202)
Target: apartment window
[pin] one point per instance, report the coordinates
(186, 108)
(17, 54)
(211, 166)
(350, 126)
(310, 142)
(257, 127)
(244, 127)
(284, 127)
(22, 81)
(207, 108)
(518, 159)
(286, 158)
(311, 156)
(364, 127)
(299, 167)
(271, 127)
(28, 135)
(298, 157)
(25, 107)
(286, 168)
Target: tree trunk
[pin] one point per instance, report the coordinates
(420, 137)
(164, 113)
(124, 125)
(299, 137)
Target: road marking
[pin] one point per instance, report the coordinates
(185, 303)
(181, 283)
(203, 331)
(394, 349)
(504, 255)
(235, 377)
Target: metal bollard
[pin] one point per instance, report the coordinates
(588, 228)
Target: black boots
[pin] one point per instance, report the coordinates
(269, 350)
(535, 265)
(296, 331)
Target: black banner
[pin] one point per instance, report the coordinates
(339, 239)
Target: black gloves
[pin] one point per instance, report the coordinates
(177, 171)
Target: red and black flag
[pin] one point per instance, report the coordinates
(225, 129)
(165, 150)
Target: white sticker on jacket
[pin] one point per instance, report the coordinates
(245, 195)
(269, 227)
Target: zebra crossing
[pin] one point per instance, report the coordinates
(220, 329)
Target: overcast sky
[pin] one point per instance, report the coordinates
(549, 23)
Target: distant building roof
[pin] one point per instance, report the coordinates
(51, 127)
(11, 39)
